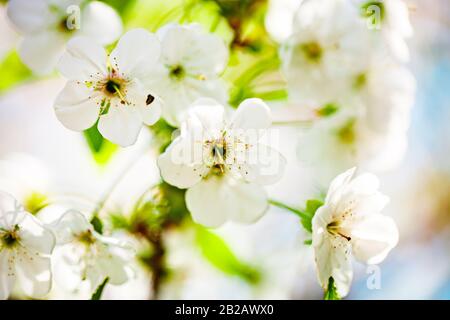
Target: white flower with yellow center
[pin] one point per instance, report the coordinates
(326, 44)
(109, 89)
(350, 223)
(47, 25)
(25, 248)
(190, 67)
(222, 162)
(87, 255)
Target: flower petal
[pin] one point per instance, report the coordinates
(76, 107)
(332, 256)
(34, 273)
(121, 125)
(101, 22)
(177, 168)
(338, 183)
(11, 212)
(215, 200)
(147, 103)
(29, 16)
(251, 114)
(41, 51)
(373, 237)
(113, 267)
(68, 225)
(83, 60)
(33, 235)
(262, 165)
(136, 53)
(7, 274)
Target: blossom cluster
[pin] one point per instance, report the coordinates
(338, 60)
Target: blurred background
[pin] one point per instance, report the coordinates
(45, 165)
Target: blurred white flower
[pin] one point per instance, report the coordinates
(88, 255)
(109, 88)
(25, 248)
(325, 47)
(388, 24)
(385, 92)
(350, 223)
(47, 25)
(222, 163)
(347, 139)
(191, 63)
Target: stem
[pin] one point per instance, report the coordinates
(286, 207)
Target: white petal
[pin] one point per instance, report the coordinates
(175, 42)
(175, 170)
(34, 273)
(365, 183)
(373, 237)
(41, 51)
(207, 114)
(34, 236)
(136, 53)
(29, 16)
(261, 164)
(77, 107)
(332, 256)
(11, 213)
(147, 103)
(121, 125)
(251, 114)
(215, 200)
(101, 22)
(180, 96)
(7, 274)
(83, 60)
(70, 224)
(113, 267)
(338, 185)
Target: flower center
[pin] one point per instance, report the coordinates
(360, 81)
(312, 51)
(11, 237)
(177, 72)
(335, 229)
(86, 238)
(346, 134)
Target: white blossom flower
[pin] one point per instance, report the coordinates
(25, 248)
(223, 163)
(347, 139)
(350, 223)
(88, 255)
(46, 26)
(191, 63)
(109, 88)
(388, 24)
(325, 47)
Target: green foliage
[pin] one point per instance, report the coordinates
(162, 134)
(13, 71)
(102, 150)
(98, 293)
(331, 292)
(218, 253)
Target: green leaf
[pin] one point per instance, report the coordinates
(307, 242)
(310, 211)
(13, 71)
(331, 292)
(217, 252)
(98, 293)
(97, 224)
(102, 150)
